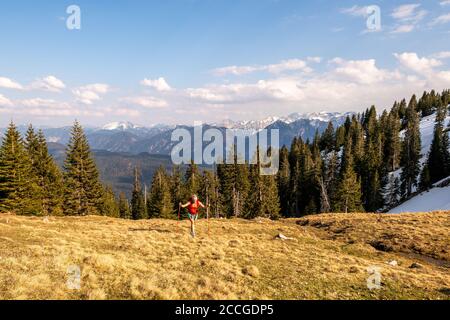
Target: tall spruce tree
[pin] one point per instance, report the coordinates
(159, 202)
(124, 207)
(283, 178)
(19, 191)
(392, 191)
(438, 156)
(327, 141)
(263, 199)
(48, 175)
(411, 147)
(138, 210)
(209, 192)
(348, 194)
(83, 191)
(177, 187)
(108, 205)
(193, 179)
(295, 177)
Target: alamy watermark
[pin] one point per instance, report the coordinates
(214, 146)
(73, 21)
(373, 21)
(73, 277)
(374, 279)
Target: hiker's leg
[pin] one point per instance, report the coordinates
(192, 225)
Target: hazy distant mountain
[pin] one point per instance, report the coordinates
(135, 139)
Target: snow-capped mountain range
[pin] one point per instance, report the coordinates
(132, 138)
(261, 124)
(123, 126)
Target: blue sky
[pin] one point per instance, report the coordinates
(180, 61)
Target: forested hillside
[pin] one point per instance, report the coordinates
(372, 162)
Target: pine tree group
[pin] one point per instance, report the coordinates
(369, 163)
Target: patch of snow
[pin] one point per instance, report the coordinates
(120, 126)
(434, 200)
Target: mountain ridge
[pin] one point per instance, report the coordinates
(123, 136)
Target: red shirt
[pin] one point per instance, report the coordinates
(193, 207)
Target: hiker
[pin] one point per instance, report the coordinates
(193, 206)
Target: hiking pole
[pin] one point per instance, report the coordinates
(207, 217)
(179, 212)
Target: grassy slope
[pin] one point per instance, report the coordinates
(327, 258)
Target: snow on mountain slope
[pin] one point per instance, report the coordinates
(437, 198)
(120, 126)
(426, 134)
(261, 124)
(434, 200)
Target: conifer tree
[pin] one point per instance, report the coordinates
(48, 175)
(254, 204)
(425, 179)
(193, 179)
(295, 177)
(226, 177)
(176, 187)
(234, 185)
(348, 194)
(209, 192)
(108, 205)
(411, 147)
(283, 178)
(392, 142)
(138, 210)
(392, 191)
(18, 187)
(159, 202)
(328, 182)
(82, 190)
(124, 207)
(271, 199)
(241, 185)
(327, 141)
(446, 147)
(439, 153)
(263, 199)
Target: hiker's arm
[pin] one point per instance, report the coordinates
(184, 205)
(202, 205)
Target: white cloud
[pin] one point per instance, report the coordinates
(408, 17)
(445, 3)
(9, 84)
(283, 66)
(443, 19)
(356, 11)
(314, 59)
(49, 83)
(146, 102)
(159, 84)
(406, 28)
(90, 93)
(127, 112)
(40, 102)
(5, 102)
(346, 85)
(234, 70)
(411, 60)
(288, 65)
(362, 71)
(408, 13)
(442, 54)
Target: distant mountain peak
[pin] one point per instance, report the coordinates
(323, 116)
(121, 125)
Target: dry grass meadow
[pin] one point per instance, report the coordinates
(326, 257)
